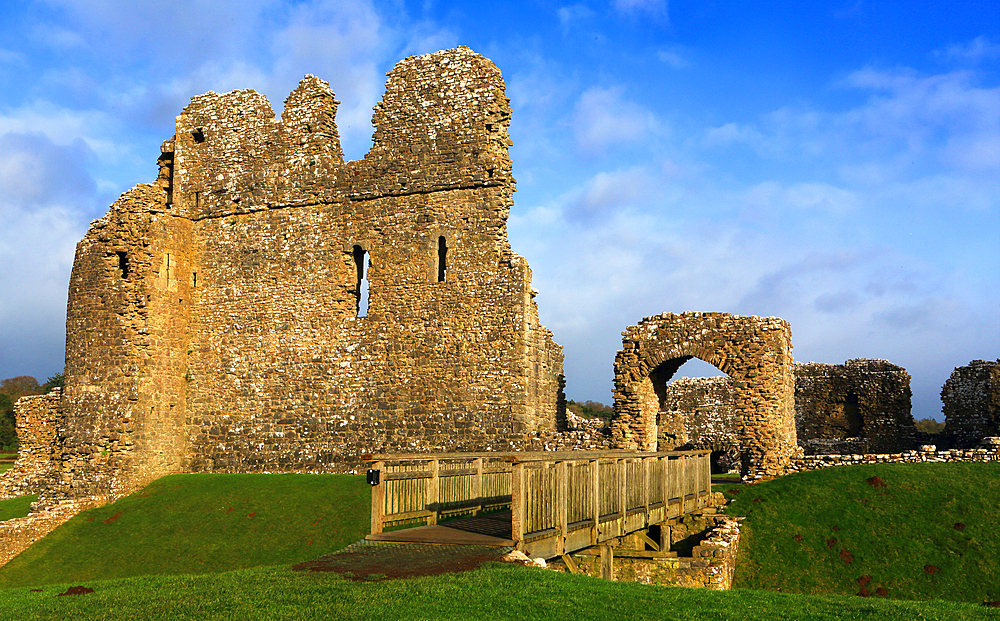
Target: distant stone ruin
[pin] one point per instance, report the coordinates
(861, 406)
(700, 413)
(265, 306)
(971, 403)
(756, 353)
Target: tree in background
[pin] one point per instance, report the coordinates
(591, 409)
(8, 430)
(17, 387)
(56, 381)
(929, 425)
(12, 389)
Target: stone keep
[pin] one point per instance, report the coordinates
(971, 403)
(861, 406)
(756, 353)
(217, 316)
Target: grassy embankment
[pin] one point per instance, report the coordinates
(16, 507)
(200, 523)
(494, 592)
(183, 524)
(7, 461)
(919, 531)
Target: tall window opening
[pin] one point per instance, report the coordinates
(122, 264)
(442, 259)
(361, 287)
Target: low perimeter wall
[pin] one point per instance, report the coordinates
(926, 453)
(18, 534)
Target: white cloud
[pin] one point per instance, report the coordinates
(603, 118)
(64, 126)
(653, 6)
(731, 133)
(9, 57)
(976, 50)
(675, 56)
(570, 15)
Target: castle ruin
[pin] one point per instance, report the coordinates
(971, 403)
(861, 406)
(265, 306)
(756, 354)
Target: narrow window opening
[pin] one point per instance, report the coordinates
(442, 259)
(168, 267)
(122, 264)
(198, 135)
(197, 200)
(361, 286)
(194, 279)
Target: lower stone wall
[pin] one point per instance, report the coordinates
(711, 564)
(35, 469)
(18, 534)
(927, 453)
(581, 434)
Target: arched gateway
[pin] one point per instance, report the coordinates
(756, 352)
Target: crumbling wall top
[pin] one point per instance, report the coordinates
(441, 124)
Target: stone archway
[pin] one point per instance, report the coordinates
(756, 352)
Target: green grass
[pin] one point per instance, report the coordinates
(201, 523)
(209, 546)
(889, 533)
(5, 467)
(16, 507)
(493, 592)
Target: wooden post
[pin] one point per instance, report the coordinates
(432, 494)
(706, 472)
(562, 501)
(595, 487)
(647, 479)
(477, 485)
(378, 502)
(664, 465)
(622, 468)
(607, 563)
(517, 514)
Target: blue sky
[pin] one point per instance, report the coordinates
(836, 164)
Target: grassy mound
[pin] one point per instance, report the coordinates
(201, 523)
(495, 592)
(908, 531)
(16, 507)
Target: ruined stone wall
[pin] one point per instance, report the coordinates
(971, 403)
(18, 534)
(925, 453)
(216, 319)
(756, 352)
(861, 406)
(38, 419)
(700, 413)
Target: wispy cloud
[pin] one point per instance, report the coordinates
(653, 6)
(603, 118)
(675, 56)
(974, 51)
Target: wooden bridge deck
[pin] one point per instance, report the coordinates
(558, 502)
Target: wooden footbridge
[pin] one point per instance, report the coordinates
(544, 504)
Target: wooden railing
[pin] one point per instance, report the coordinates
(416, 488)
(560, 502)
